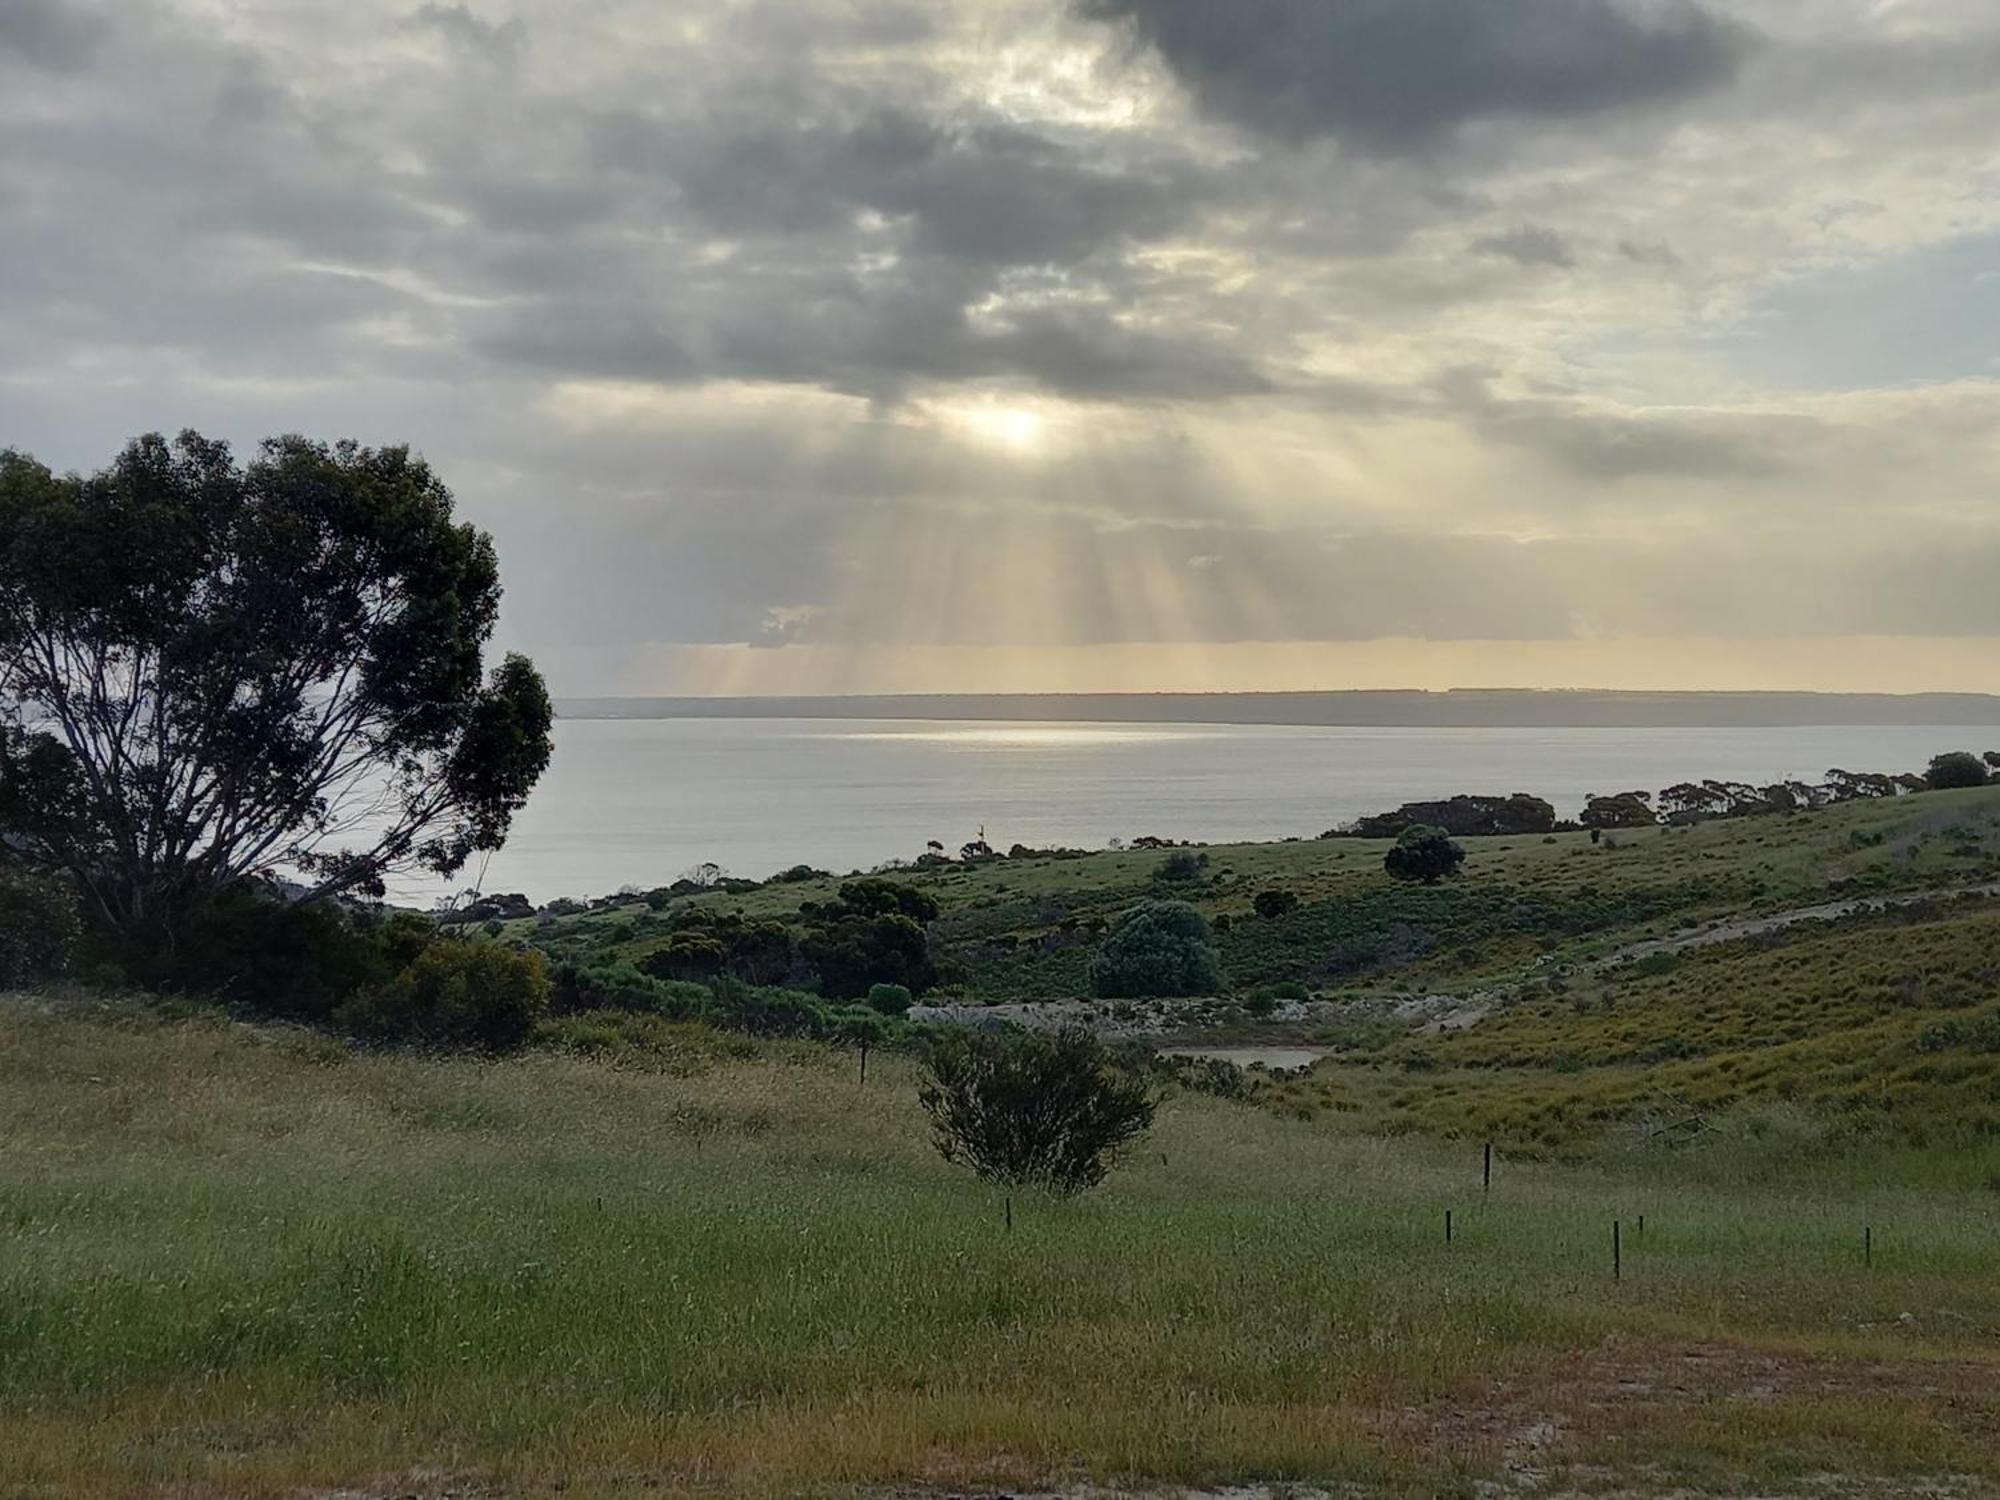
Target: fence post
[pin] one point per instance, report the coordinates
(1617, 1254)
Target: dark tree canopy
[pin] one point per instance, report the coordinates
(1956, 768)
(1426, 854)
(1160, 949)
(1465, 817)
(873, 934)
(1623, 810)
(214, 672)
(1031, 1110)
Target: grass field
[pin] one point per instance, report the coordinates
(245, 1261)
(241, 1260)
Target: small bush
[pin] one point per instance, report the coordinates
(1181, 867)
(1274, 904)
(1161, 949)
(1424, 854)
(456, 993)
(1030, 1110)
(890, 999)
(39, 927)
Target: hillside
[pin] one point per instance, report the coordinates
(247, 1261)
(1842, 961)
(1762, 1057)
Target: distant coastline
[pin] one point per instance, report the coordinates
(1464, 708)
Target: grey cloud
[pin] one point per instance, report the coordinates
(983, 193)
(1606, 445)
(1530, 245)
(497, 42)
(1397, 76)
(54, 34)
(1650, 253)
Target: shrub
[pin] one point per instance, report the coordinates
(1029, 1110)
(39, 927)
(607, 985)
(1274, 904)
(1425, 854)
(890, 999)
(687, 956)
(1181, 867)
(1214, 1076)
(1161, 949)
(251, 948)
(457, 993)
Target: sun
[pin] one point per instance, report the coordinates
(1011, 427)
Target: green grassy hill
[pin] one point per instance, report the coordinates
(243, 1261)
(1881, 1024)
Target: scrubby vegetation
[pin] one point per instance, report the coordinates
(587, 1196)
(1026, 1110)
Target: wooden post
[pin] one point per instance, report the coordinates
(1867, 1244)
(1617, 1254)
(864, 1063)
(1447, 1226)
(1010, 1213)
(1486, 1177)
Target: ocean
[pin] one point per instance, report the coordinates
(639, 802)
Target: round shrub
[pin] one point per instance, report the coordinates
(890, 999)
(1274, 904)
(1425, 854)
(1160, 949)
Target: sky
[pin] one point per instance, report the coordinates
(975, 345)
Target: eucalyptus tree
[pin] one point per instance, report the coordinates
(212, 672)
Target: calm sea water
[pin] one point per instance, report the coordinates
(641, 801)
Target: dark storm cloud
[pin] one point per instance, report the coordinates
(987, 192)
(54, 34)
(1396, 76)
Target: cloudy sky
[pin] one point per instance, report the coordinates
(966, 344)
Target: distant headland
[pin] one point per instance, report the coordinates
(1463, 708)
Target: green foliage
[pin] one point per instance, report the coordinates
(688, 956)
(1032, 1110)
(1625, 810)
(890, 999)
(1161, 949)
(39, 927)
(230, 656)
(1957, 768)
(612, 984)
(1875, 1028)
(1273, 904)
(251, 948)
(1424, 854)
(1181, 867)
(456, 993)
(872, 934)
(1466, 817)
